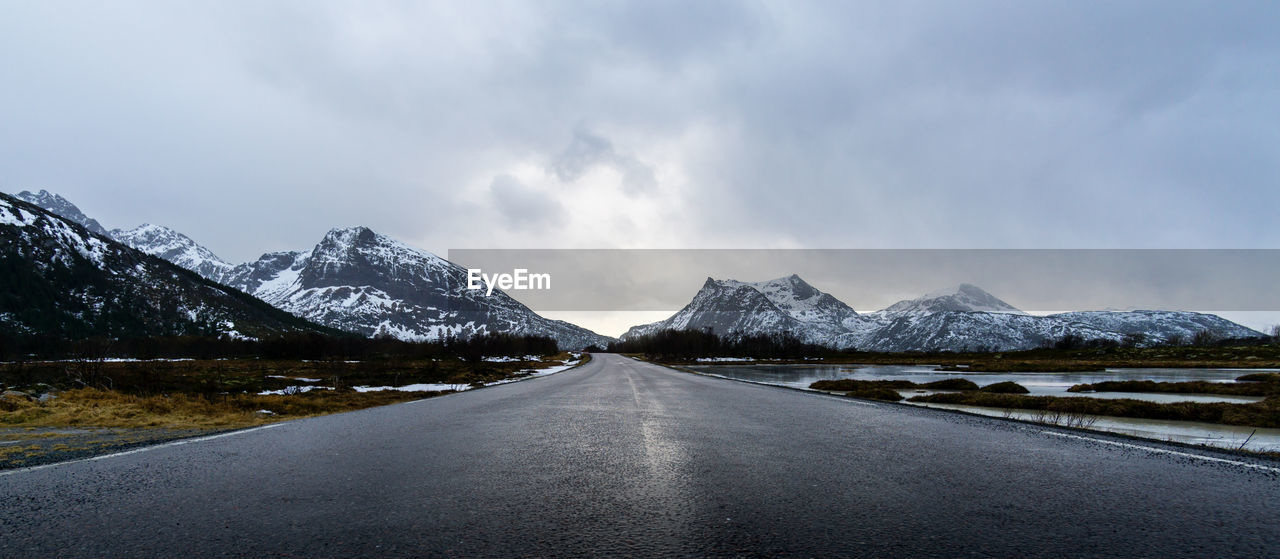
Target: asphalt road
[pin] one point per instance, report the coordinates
(625, 458)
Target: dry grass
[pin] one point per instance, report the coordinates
(1261, 414)
(1188, 387)
(209, 395)
(11, 452)
(102, 408)
(210, 377)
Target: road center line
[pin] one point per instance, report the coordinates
(1164, 451)
(179, 442)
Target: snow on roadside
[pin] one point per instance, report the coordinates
(293, 390)
(536, 373)
(422, 387)
(303, 379)
(724, 359)
(531, 373)
(107, 360)
(509, 359)
(414, 388)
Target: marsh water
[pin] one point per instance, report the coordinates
(1041, 384)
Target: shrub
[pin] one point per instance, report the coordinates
(951, 384)
(848, 385)
(1262, 414)
(1260, 377)
(1188, 387)
(876, 393)
(1204, 338)
(1006, 387)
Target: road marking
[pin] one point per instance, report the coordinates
(179, 442)
(1164, 451)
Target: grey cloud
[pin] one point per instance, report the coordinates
(522, 208)
(587, 150)
(258, 126)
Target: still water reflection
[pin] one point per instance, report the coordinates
(1041, 384)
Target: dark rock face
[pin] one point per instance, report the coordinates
(789, 304)
(60, 206)
(175, 247)
(61, 279)
(357, 280)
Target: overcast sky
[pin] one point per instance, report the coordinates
(258, 126)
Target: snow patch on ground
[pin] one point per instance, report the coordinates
(293, 390)
(415, 388)
(525, 374)
(509, 359)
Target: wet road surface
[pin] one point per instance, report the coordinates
(625, 458)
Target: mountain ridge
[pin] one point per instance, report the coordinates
(963, 297)
(963, 318)
(62, 279)
(356, 280)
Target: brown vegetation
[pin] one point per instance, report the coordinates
(103, 408)
(223, 394)
(1190, 387)
(1261, 414)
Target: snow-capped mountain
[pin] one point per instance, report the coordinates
(965, 331)
(803, 302)
(61, 207)
(355, 280)
(360, 281)
(58, 278)
(964, 297)
(175, 247)
(155, 240)
(1158, 325)
(964, 318)
(782, 305)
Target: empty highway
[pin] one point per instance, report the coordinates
(625, 458)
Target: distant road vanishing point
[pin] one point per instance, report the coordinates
(623, 458)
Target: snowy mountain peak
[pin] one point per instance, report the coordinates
(783, 304)
(89, 285)
(155, 240)
(794, 296)
(158, 240)
(354, 279)
(960, 318)
(349, 236)
(960, 289)
(358, 280)
(964, 297)
(360, 248)
(60, 206)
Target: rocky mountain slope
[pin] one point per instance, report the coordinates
(964, 318)
(161, 241)
(1158, 325)
(964, 297)
(59, 278)
(62, 207)
(782, 305)
(358, 281)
